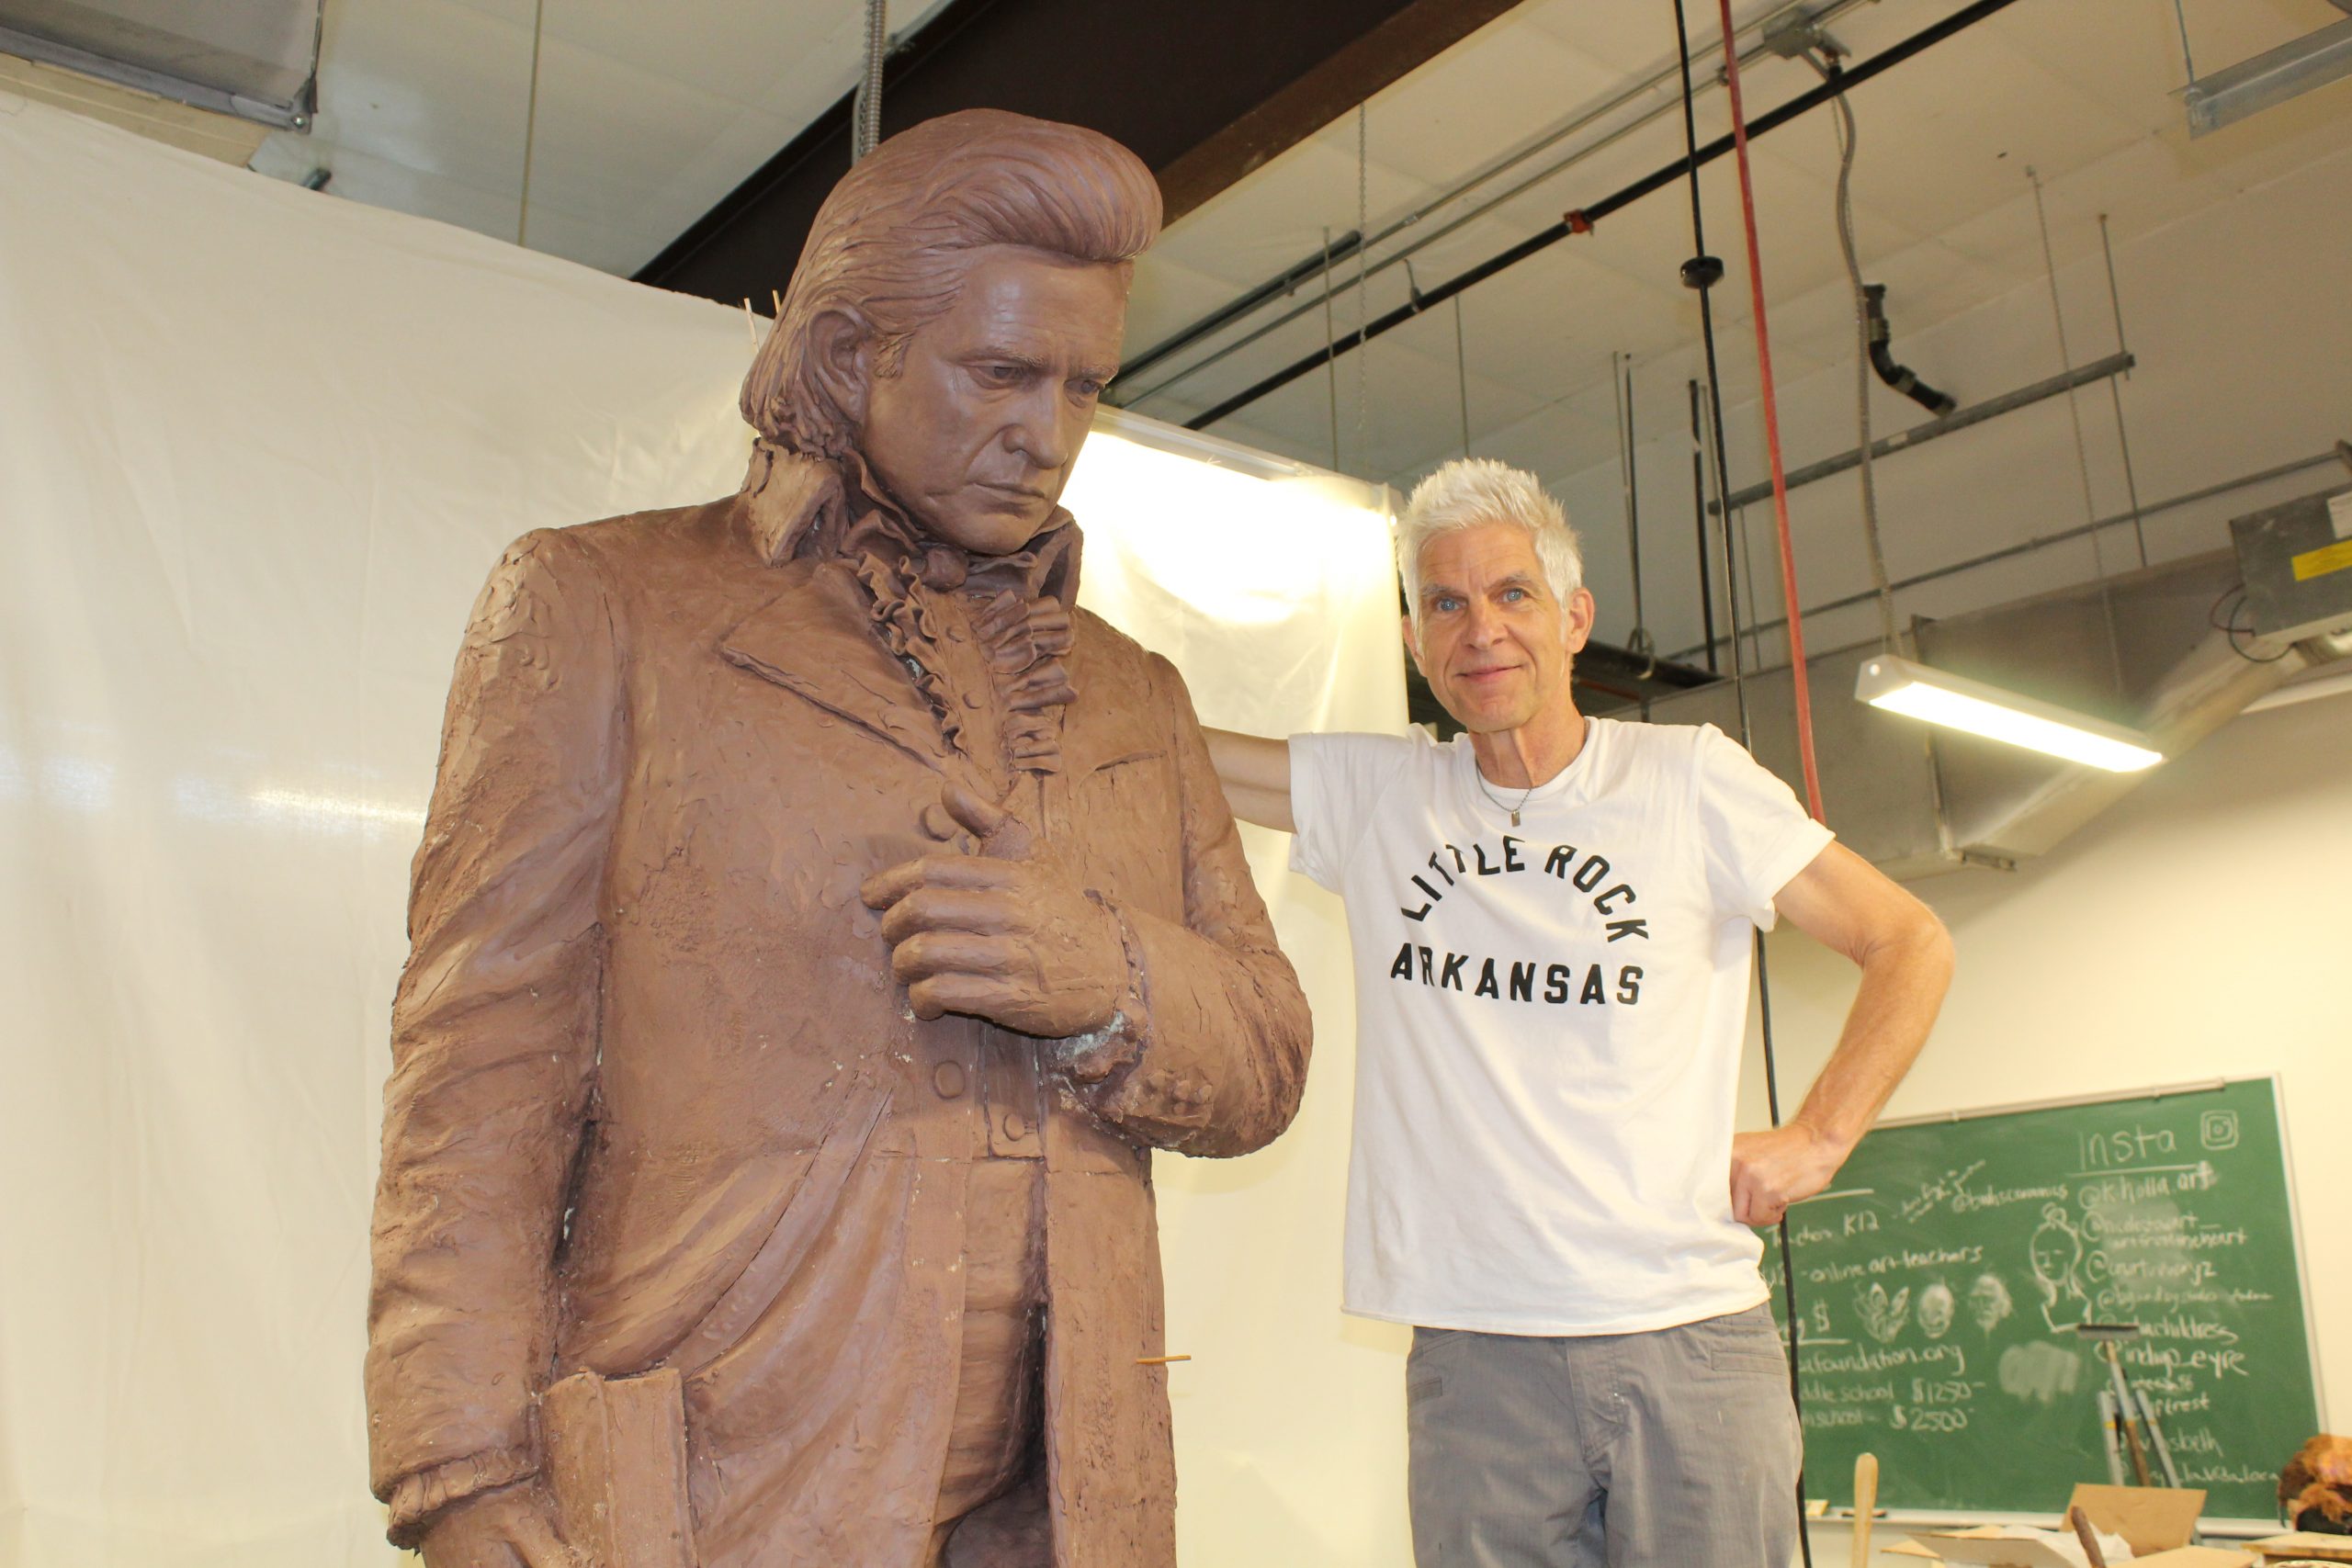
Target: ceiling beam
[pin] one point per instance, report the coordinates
(1204, 91)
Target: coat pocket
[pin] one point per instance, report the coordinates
(804, 1219)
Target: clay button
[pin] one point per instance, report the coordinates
(1015, 1127)
(949, 1079)
(938, 824)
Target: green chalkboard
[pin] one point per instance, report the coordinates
(1940, 1279)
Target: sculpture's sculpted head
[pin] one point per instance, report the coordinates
(983, 230)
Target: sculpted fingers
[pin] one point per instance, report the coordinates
(984, 911)
(973, 995)
(929, 954)
(1002, 835)
(885, 888)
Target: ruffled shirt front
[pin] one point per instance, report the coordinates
(963, 625)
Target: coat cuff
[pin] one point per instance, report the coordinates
(1092, 1057)
(419, 1499)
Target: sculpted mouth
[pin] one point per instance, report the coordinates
(1024, 491)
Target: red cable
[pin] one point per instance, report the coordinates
(1773, 425)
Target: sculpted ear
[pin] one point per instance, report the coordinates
(841, 352)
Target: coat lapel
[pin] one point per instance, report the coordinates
(814, 639)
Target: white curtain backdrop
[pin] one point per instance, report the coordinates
(258, 449)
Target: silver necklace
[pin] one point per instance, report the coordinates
(1490, 794)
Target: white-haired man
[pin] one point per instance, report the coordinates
(1552, 922)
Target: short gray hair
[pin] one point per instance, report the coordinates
(1468, 491)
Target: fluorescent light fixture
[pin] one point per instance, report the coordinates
(1940, 698)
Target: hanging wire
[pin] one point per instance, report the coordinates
(1332, 363)
(1890, 636)
(1696, 271)
(2082, 452)
(530, 125)
(1747, 587)
(1364, 294)
(1768, 400)
(865, 108)
(1638, 642)
(2115, 392)
(2186, 62)
(2066, 363)
(1461, 372)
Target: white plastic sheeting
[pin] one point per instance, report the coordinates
(258, 449)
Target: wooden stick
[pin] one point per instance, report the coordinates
(1158, 1360)
(1865, 1506)
(2088, 1536)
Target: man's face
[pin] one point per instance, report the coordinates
(976, 432)
(1493, 642)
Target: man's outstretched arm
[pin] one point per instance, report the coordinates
(1843, 902)
(1255, 773)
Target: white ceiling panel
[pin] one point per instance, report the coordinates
(647, 115)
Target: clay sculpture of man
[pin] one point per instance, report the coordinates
(817, 924)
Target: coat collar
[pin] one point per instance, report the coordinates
(830, 536)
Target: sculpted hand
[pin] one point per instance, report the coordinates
(1012, 940)
(506, 1527)
(1771, 1170)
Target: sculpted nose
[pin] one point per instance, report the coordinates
(1044, 434)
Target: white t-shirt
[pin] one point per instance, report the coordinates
(1549, 1021)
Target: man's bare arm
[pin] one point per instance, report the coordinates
(1843, 902)
(1255, 773)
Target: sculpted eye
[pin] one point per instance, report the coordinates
(1000, 375)
(1086, 388)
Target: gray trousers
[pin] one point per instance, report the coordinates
(1669, 1448)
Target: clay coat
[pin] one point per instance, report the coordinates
(647, 1023)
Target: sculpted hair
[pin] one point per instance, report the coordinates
(1470, 490)
(892, 243)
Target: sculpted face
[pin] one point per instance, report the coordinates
(976, 432)
(1494, 643)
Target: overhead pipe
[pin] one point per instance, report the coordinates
(1582, 121)
(1582, 220)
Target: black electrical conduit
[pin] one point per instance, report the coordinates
(1899, 377)
(1582, 218)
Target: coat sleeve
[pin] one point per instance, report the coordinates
(1217, 1061)
(494, 1030)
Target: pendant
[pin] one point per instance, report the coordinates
(1514, 818)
